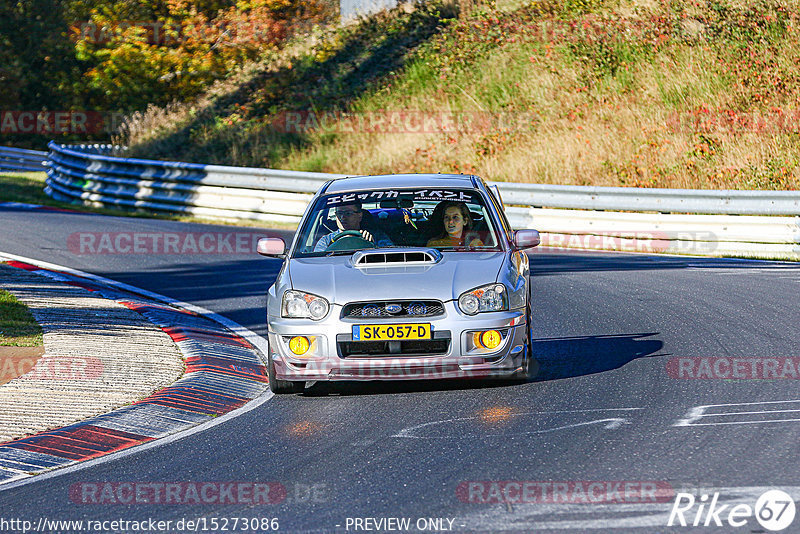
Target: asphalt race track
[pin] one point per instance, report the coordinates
(613, 334)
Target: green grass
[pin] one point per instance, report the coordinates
(28, 188)
(17, 326)
(602, 99)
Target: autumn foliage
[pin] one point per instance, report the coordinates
(119, 56)
(171, 50)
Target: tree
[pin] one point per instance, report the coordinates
(183, 47)
(38, 64)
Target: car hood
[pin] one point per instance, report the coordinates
(336, 279)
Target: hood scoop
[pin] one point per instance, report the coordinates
(396, 257)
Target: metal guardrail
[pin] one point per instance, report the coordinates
(89, 174)
(730, 202)
(750, 236)
(19, 159)
(190, 188)
(725, 202)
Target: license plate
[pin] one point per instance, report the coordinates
(389, 332)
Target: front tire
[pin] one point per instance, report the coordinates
(530, 367)
(278, 386)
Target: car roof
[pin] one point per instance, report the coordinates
(387, 181)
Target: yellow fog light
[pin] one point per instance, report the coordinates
(298, 345)
(491, 339)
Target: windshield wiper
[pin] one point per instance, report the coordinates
(459, 248)
(339, 253)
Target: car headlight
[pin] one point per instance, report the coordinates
(299, 305)
(487, 298)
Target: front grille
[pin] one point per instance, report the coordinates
(407, 308)
(411, 347)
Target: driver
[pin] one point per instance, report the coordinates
(348, 217)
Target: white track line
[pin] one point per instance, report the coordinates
(246, 333)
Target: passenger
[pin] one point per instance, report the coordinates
(351, 217)
(455, 226)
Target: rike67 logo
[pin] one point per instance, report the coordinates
(774, 510)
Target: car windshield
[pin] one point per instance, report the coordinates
(446, 219)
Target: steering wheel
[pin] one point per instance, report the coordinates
(350, 240)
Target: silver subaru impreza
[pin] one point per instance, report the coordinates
(400, 277)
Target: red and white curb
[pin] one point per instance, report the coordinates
(224, 372)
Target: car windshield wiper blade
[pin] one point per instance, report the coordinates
(339, 252)
(469, 248)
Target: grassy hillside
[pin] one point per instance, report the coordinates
(699, 94)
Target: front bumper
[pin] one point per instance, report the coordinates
(328, 362)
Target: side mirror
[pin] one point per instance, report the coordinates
(271, 246)
(526, 239)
